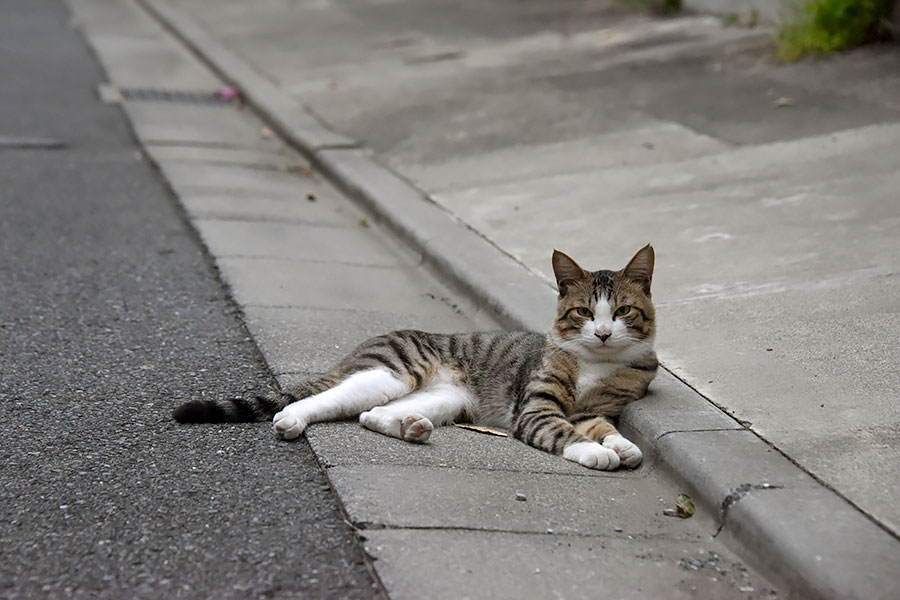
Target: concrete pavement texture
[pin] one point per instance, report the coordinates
(578, 116)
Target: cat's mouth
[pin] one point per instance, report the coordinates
(600, 346)
(592, 346)
(603, 346)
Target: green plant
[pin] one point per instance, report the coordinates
(671, 5)
(751, 19)
(657, 6)
(826, 25)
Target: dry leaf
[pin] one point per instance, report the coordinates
(481, 429)
(685, 506)
(783, 101)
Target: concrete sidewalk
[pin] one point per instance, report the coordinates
(769, 192)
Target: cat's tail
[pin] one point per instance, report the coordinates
(250, 408)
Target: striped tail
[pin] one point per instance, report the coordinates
(245, 410)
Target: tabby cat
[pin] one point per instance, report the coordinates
(554, 392)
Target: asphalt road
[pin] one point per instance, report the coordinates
(110, 314)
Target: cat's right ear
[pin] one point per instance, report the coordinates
(640, 267)
(567, 272)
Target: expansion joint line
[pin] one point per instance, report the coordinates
(735, 495)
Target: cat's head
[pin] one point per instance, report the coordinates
(605, 315)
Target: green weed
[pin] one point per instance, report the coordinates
(824, 26)
(665, 7)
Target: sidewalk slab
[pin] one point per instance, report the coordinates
(230, 178)
(714, 98)
(473, 564)
(287, 206)
(351, 244)
(351, 445)
(137, 52)
(651, 143)
(198, 125)
(282, 159)
(285, 353)
(269, 282)
(377, 496)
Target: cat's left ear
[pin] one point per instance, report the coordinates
(640, 268)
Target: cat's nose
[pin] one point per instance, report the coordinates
(602, 335)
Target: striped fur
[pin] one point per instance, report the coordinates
(552, 391)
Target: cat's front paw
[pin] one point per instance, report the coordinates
(287, 426)
(592, 455)
(629, 454)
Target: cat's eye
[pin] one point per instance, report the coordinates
(585, 312)
(622, 311)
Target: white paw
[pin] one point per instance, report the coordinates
(287, 426)
(381, 420)
(412, 428)
(629, 454)
(416, 428)
(592, 455)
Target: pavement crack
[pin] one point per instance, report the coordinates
(351, 145)
(661, 436)
(735, 495)
(362, 526)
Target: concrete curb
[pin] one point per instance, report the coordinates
(786, 522)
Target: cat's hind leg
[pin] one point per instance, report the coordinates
(357, 393)
(414, 417)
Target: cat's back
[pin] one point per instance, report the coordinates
(483, 350)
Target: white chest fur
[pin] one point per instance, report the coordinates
(590, 374)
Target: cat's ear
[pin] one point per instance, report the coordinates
(640, 268)
(567, 272)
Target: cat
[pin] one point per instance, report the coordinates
(555, 392)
